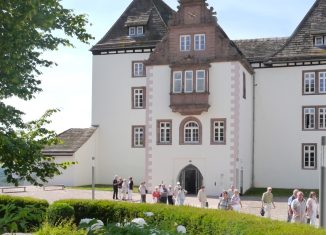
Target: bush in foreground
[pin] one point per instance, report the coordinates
(197, 221)
(59, 212)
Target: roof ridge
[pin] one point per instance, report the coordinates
(261, 39)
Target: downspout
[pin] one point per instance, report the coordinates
(253, 131)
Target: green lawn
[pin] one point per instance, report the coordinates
(278, 192)
(99, 187)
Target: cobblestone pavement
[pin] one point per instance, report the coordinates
(251, 205)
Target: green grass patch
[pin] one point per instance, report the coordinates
(99, 187)
(277, 192)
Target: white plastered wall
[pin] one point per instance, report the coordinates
(213, 161)
(111, 110)
(278, 129)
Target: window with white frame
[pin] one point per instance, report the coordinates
(185, 42)
(177, 82)
(138, 136)
(309, 118)
(218, 131)
(322, 82)
(309, 156)
(191, 132)
(322, 118)
(164, 128)
(309, 83)
(136, 30)
(189, 81)
(199, 42)
(132, 31)
(140, 30)
(319, 41)
(138, 97)
(138, 69)
(200, 80)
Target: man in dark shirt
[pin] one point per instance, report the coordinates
(115, 187)
(130, 188)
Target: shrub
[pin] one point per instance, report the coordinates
(60, 212)
(21, 214)
(67, 228)
(197, 221)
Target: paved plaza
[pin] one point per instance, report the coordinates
(251, 205)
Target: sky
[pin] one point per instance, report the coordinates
(68, 85)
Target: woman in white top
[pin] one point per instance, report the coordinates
(312, 208)
(235, 201)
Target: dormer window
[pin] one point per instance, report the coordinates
(140, 30)
(132, 31)
(136, 31)
(320, 40)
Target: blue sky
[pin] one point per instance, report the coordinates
(68, 85)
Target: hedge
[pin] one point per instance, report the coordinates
(59, 212)
(196, 220)
(21, 214)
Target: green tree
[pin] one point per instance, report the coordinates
(27, 29)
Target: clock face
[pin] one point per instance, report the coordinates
(191, 15)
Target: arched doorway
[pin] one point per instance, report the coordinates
(191, 179)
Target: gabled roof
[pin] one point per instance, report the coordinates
(260, 49)
(72, 140)
(301, 44)
(152, 14)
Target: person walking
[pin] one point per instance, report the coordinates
(291, 198)
(115, 188)
(312, 209)
(236, 201)
(267, 202)
(181, 196)
(298, 207)
(202, 197)
(130, 188)
(156, 194)
(224, 202)
(170, 195)
(164, 194)
(124, 189)
(120, 181)
(143, 191)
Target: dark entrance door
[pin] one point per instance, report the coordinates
(191, 179)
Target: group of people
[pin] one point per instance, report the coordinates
(228, 199)
(302, 211)
(171, 195)
(299, 210)
(122, 188)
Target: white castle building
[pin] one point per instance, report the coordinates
(174, 99)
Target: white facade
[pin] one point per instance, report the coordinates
(262, 103)
(81, 172)
(279, 130)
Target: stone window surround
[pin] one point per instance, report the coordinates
(193, 69)
(133, 97)
(302, 156)
(316, 81)
(316, 107)
(212, 131)
(133, 136)
(181, 130)
(158, 132)
(133, 69)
